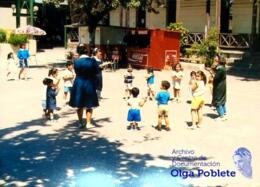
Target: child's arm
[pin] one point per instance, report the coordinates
(194, 86)
(143, 101)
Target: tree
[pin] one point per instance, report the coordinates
(91, 12)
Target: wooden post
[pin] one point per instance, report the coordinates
(178, 8)
(207, 16)
(253, 27)
(218, 14)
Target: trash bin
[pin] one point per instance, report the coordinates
(152, 48)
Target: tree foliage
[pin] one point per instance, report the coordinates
(91, 12)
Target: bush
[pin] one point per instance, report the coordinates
(17, 39)
(180, 28)
(207, 48)
(2, 36)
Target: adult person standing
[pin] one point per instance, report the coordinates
(83, 92)
(23, 55)
(219, 88)
(97, 55)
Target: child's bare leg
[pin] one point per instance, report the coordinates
(200, 116)
(178, 94)
(193, 116)
(167, 123)
(159, 126)
(20, 73)
(89, 113)
(8, 74)
(174, 92)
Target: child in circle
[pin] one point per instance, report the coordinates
(68, 78)
(150, 83)
(163, 98)
(23, 55)
(51, 93)
(134, 114)
(53, 74)
(11, 67)
(128, 80)
(176, 81)
(192, 80)
(198, 90)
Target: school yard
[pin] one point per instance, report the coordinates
(36, 153)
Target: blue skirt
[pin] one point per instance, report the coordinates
(83, 93)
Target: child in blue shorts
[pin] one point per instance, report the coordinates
(134, 114)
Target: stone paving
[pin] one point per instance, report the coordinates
(37, 153)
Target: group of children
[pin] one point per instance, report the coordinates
(197, 85)
(52, 88)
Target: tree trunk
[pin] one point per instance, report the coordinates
(92, 33)
(253, 28)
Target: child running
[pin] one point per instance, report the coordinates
(150, 83)
(134, 114)
(11, 67)
(162, 98)
(176, 81)
(68, 78)
(51, 93)
(198, 90)
(128, 80)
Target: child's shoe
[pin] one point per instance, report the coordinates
(158, 128)
(138, 128)
(167, 129)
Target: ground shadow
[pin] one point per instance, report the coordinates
(211, 115)
(71, 156)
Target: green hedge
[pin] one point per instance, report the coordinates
(17, 39)
(2, 36)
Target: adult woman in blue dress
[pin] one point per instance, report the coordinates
(23, 55)
(83, 93)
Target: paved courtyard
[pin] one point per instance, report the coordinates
(36, 153)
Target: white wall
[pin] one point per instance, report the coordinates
(156, 20)
(242, 16)
(8, 21)
(192, 14)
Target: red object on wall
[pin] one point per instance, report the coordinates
(163, 48)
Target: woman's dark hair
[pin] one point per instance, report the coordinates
(135, 91)
(82, 49)
(204, 77)
(166, 85)
(221, 59)
(9, 55)
(52, 71)
(47, 81)
(96, 50)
